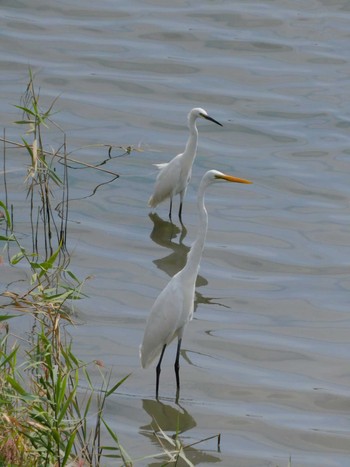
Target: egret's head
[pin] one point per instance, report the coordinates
(215, 175)
(198, 112)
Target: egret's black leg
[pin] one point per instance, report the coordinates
(158, 370)
(180, 212)
(177, 368)
(170, 208)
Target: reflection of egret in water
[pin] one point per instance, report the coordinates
(163, 234)
(174, 419)
(169, 417)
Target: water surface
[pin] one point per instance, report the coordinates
(266, 358)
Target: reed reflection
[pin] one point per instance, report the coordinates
(173, 419)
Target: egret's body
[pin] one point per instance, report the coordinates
(173, 308)
(174, 176)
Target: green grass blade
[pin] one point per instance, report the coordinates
(7, 214)
(16, 386)
(116, 386)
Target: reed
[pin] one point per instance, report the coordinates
(52, 410)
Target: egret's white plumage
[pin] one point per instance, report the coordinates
(174, 176)
(173, 308)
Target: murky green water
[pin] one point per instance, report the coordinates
(266, 359)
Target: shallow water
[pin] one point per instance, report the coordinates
(266, 358)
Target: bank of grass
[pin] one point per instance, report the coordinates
(46, 417)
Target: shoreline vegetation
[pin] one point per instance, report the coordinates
(46, 416)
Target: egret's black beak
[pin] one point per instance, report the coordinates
(211, 119)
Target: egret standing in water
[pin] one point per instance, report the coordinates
(174, 176)
(173, 308)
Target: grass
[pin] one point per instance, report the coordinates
(46, 417)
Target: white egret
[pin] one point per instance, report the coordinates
(174, 176)
(173, 308)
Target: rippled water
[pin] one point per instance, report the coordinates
(266, 359)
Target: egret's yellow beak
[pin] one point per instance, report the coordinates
(231, 178)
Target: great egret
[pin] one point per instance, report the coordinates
(173, 308)
(174, 176)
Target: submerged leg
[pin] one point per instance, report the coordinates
(180, 212)
(170, 208)
(177, 368)
(158, 370)
(182, 195)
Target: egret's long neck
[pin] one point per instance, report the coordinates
(191, 145)
(195, 254)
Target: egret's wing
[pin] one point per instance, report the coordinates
(167, 182)
(162, 323)
(161, 166)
